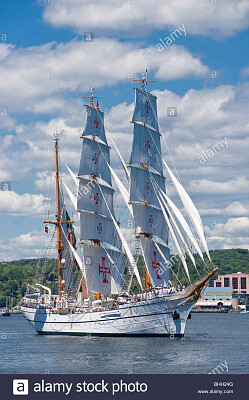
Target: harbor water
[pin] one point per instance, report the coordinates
(210, 340)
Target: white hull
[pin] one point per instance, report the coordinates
(144, 318)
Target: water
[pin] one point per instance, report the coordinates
(210, 339)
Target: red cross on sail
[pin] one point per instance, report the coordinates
(104, 270)
(96, 198)
(147, 146)
(156, 266)
(151, 220)
(96, 122)
(148, 187)
(95, 158)
(147, 107)
(99, 228)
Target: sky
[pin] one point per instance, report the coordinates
(47, 65)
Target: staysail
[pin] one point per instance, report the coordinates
(102, 248)
(146, 166)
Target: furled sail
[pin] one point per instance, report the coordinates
(102, 248)
(145, 108)
(146, 165)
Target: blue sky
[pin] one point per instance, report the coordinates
(48, 38)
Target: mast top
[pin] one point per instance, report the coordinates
(144, 79)
(56, 136)
(92, 97)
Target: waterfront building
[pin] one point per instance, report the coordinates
(211, 282)
(218, 293)
(238, 281)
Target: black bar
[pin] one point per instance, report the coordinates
(137, 386)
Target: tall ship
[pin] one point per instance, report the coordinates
(101, 290)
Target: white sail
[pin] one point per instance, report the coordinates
(150, 220)
(190, 208)
(94, 123)
(73, 176)
(122, 189)
(96, 227)
(184, 224)
(130, 256)
(126, 247)
(71, 196)
(146, 164)
(142, 189)
(121, 159)
(98, 232)
(157, 268)
(93, 160)
(172, 232)
(77, 258)
(89, 197)
(146, 148)
(178, 230)
(100, 270)
(145, 108)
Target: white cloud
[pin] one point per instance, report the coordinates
(35, 78)
(231, 234)
(219, 187)
(27, 245)
(232, 226)
(234, 186)
(139, 17)
(234, 209)
(12, 203)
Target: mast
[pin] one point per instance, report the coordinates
(58, 219)
(102, 247)
(146, 169)
(144, 81)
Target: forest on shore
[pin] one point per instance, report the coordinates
(15, 275)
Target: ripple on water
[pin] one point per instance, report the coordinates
(209, 339)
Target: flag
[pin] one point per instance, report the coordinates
(46, 229)
(71, 235)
